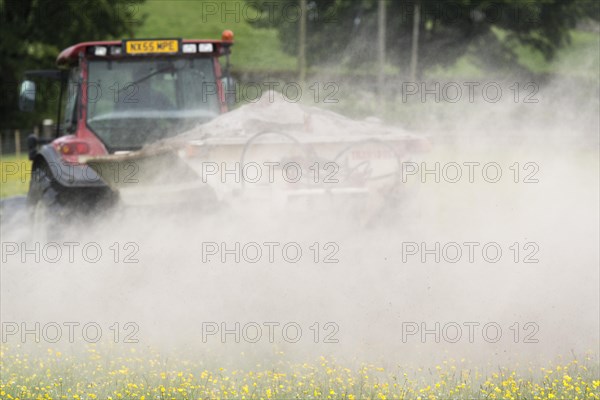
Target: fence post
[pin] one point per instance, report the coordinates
(17, 142)
(47, 128)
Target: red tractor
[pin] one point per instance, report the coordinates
(118, 97)
(122, 97)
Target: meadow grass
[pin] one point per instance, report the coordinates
(104, 373)
(253, 49)
(15, 175)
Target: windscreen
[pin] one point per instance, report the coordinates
(137, 101)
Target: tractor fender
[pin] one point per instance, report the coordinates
(67, 174)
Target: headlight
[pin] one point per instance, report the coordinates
(205, 47)
(100, 51)
(189, 48)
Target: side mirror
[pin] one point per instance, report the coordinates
(27, 96)
(229, 89)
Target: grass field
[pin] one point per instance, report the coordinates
(15, 172)
(253, 49)
(260, 49)
(580, 59)
(144, 375)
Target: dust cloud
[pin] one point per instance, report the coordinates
(374, 303)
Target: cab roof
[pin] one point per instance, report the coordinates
(70, 55)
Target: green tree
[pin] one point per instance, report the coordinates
(344, 31)
(33, 32)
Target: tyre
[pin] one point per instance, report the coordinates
(54, 209)
(48, 205)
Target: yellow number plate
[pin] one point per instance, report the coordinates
(151, 46)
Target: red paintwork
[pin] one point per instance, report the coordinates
(71, 56)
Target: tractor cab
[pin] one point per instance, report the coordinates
(122, 95)
(116, 97)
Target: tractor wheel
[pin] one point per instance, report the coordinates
(48, 205)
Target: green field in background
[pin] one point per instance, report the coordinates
(15, 173)
(254, 48)
(260, 49)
